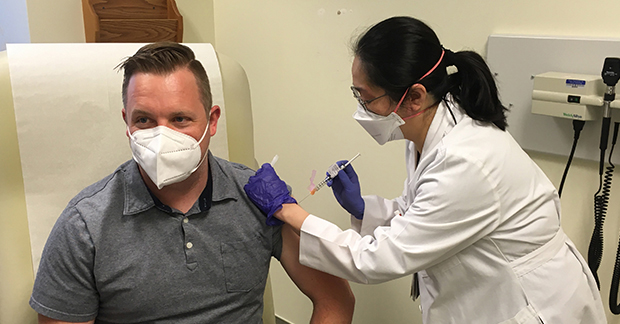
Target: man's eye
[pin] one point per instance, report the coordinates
(180, 119)
(142, 120)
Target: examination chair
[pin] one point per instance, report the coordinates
(16, 256)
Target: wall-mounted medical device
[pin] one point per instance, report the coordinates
(582, 98)
(516, 61)
(568, 95)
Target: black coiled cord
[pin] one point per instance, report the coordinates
(615, 279)
(595, 250)
(601, 201)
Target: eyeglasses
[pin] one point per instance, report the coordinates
(363, 102)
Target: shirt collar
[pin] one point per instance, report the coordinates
(138, 198)
(224, 184)
(204, 201)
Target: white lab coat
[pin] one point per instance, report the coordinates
(479, 221)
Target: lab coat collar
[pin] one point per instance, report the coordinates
(442, 124)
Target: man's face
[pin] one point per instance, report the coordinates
(171, 100)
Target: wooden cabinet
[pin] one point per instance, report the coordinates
(132, 21)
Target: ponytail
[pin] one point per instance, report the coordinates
(400, 51)
(474, 89)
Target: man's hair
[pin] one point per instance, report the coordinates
(163, 58)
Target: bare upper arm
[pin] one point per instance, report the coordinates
(47, 320)
(330, 295)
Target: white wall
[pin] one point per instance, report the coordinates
(198, 25)
(13, 22)
(61, 21)
(296, 54)
(297, 57)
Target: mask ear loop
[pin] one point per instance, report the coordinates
(206, 153)
(420, 79)
(200, 141)
(401, 101)
(434, 67)
(199, 164)
(203, 135)
(130, 134)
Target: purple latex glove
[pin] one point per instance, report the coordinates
(346, 188)
(268, 193)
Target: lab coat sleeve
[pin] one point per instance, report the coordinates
(377, 212)
(455, 205)
(356, 224)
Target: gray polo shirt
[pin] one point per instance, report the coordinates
(118, 255)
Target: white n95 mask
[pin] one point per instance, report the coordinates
(167, 156)
(382, 128)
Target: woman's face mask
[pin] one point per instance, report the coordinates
(382, 128)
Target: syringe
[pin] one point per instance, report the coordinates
(332, 172)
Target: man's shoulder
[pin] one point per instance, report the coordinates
(111, 182)
(236, 170)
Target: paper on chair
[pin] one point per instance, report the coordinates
(67, 100)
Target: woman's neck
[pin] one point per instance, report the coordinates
(416, 128)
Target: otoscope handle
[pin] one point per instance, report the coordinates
(605, 133)
(604, 141)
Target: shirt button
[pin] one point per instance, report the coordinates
(189, 245)
(185, 220)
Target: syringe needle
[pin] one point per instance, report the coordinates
(304, 198)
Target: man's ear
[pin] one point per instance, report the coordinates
(214, 116)
(124, 113)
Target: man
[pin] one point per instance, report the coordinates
(170, 237)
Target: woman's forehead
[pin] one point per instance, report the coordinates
(360, 79)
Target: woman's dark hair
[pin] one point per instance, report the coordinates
(398, 51)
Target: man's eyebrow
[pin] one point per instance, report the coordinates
(180, 113)
(137, 111)
(140, 112)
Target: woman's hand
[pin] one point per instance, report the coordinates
(346, 188)
(268, 192)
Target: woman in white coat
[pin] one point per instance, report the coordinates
(478, 221)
